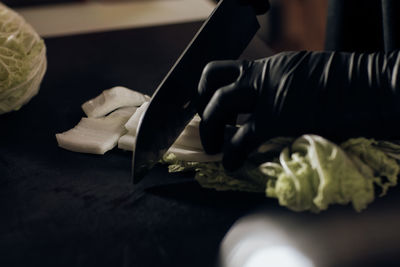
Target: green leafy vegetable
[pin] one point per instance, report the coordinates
(22, 60)
(212, 175)
(383, 168)
(310, 173)
(315, 173)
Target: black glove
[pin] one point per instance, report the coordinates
(336, 95)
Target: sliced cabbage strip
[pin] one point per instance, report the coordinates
(190, 154)
(112, 99)
(96, 135)
(133, 122)
(190, 137)
(127, 142)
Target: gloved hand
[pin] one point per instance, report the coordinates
(333, 94)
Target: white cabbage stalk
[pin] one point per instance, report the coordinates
(190, 137)
(96, 135)
(190, 154)
(113, 99)
(132, 124)
(127, 142)
(187, 146)
(23, 60)
(185, 153)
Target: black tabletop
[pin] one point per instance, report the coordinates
(59, 208)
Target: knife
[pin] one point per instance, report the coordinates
(224, 35)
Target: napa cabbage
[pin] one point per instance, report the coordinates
(22, 60)
(309, 173)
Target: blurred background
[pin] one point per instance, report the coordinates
(21, 3)
(289, 25)
(295, 24)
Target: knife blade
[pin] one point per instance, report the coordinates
(224, 35)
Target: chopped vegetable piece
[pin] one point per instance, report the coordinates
(96, 135)
(190, 137)
(213, 175)
(127, 142)
(379, 162)
(187, 146)
(113, 99)
(392, 148)
(190, 154)
(310, 174)
(315, 173)
(133, 122)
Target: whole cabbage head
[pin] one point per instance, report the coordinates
(22, 60)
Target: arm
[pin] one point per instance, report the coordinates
(336, 95)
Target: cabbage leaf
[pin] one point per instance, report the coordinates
(307, 174)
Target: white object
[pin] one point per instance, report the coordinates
(133, 122)
(187, 147)
(127, 142)
(112, 99)
(190, 137)
(190, 154)
(96, 135)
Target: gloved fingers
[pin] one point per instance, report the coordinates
(216, 74)
(243, 142)
(226, 102)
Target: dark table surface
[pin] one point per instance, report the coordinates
(59, 208)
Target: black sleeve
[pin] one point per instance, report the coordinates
(339, 94)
